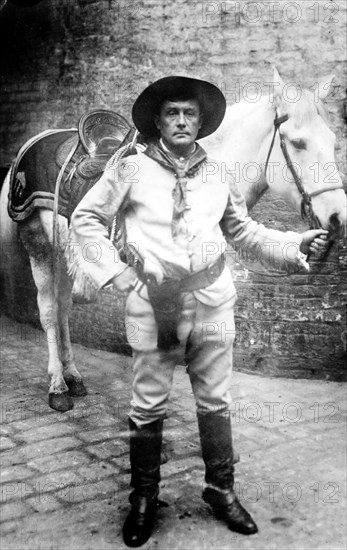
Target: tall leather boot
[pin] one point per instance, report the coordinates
(145, 447)
(217, 453)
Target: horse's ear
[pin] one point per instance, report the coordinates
(278, 90)
(277, 77)
(325, 87)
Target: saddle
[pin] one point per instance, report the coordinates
(100, 134)
(85, 154)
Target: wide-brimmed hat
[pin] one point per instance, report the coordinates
(211, 100)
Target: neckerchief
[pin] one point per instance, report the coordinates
(182, 170)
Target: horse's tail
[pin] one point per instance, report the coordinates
(8, 228)
(11, 249)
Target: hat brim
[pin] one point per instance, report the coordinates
(211, 100)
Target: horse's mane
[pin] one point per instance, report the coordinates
(236, 113)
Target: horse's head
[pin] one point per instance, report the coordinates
(303, 154)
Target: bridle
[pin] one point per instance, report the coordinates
(307, 212)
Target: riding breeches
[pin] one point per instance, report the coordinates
(206, 336)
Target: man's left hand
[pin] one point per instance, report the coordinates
(314, 241)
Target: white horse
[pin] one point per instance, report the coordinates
(244, 141)
(272, 143)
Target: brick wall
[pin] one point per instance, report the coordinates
(63, 57)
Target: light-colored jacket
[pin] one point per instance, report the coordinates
(143, 188)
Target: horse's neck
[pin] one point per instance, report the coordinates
(242, 142)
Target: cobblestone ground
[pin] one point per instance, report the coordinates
(65, 476)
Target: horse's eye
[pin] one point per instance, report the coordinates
(298, 143)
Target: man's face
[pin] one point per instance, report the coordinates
(179, 123)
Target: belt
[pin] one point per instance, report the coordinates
(200, 279)
(166, 302)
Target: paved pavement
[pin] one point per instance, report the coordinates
(65, 476)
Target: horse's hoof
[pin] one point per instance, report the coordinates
(60, 401)
(76, 388)
(163, 457)
(236, 457)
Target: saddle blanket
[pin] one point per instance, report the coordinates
(35, 172)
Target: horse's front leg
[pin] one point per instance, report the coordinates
(59, 397)
(37, 242)
(71, 375)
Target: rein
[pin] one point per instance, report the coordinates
(306, 203)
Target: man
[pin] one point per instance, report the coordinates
(182, 296)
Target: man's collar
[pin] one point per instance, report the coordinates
(171, 154)
(157, 151)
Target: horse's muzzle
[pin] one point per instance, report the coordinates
(336, 228)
